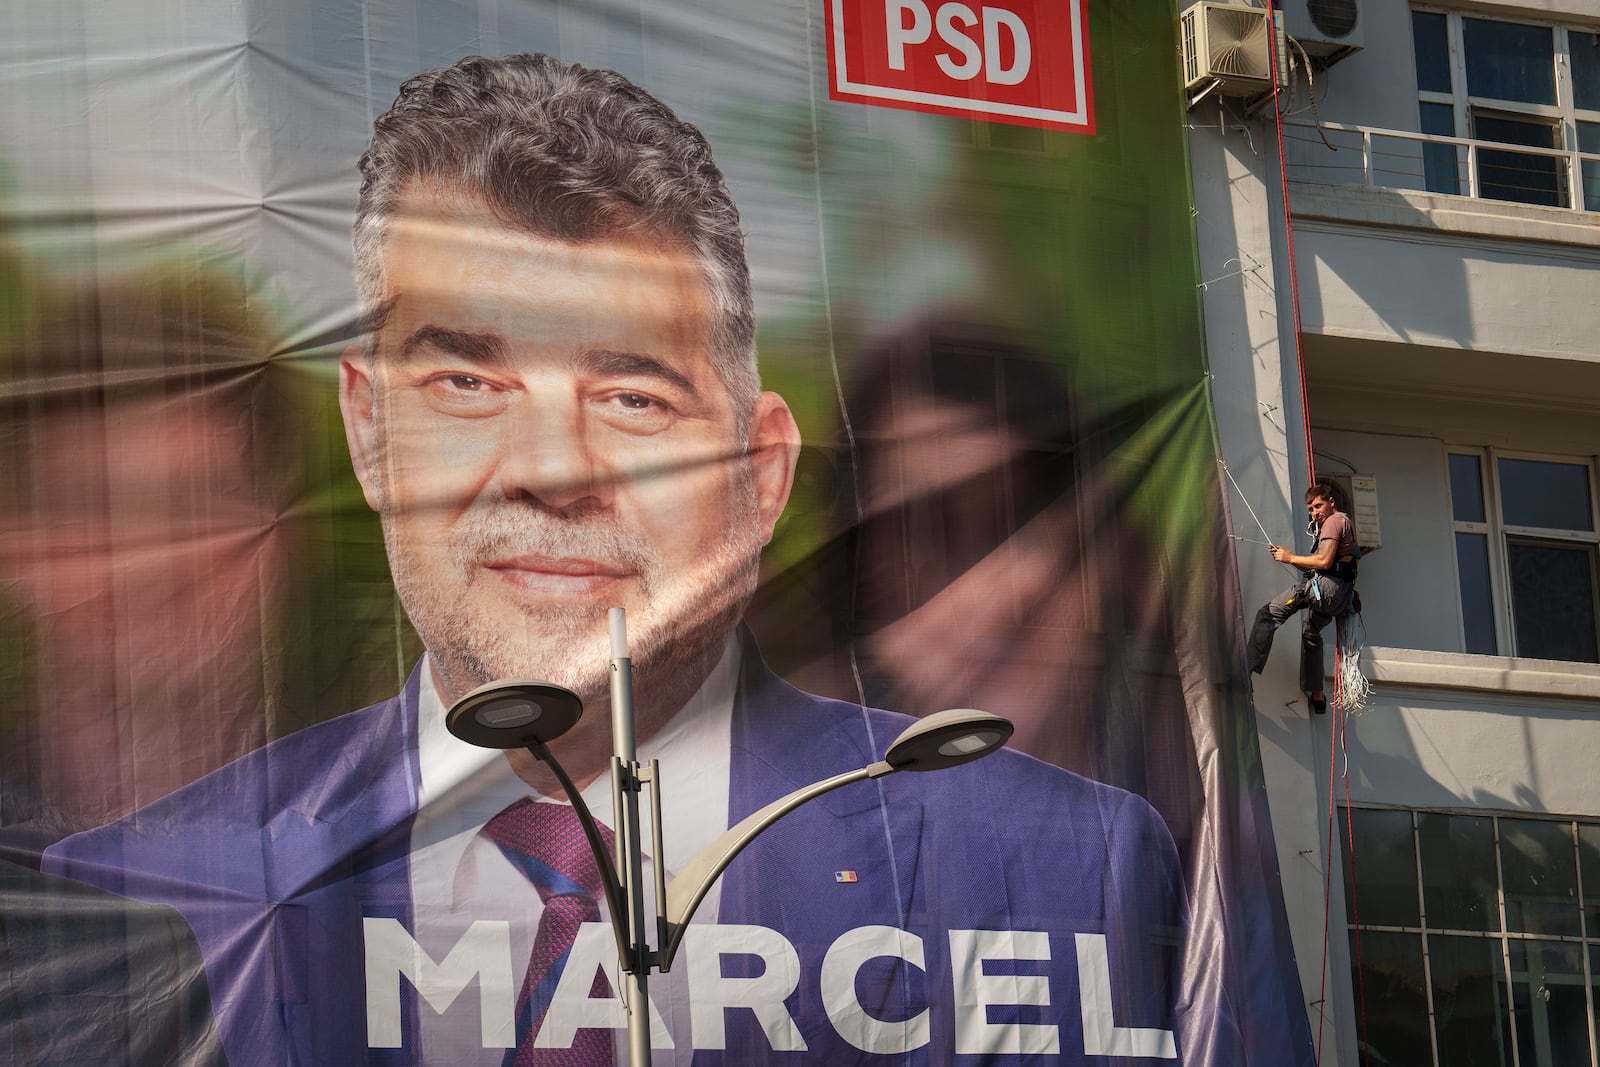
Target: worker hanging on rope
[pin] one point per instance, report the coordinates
(1325, 592)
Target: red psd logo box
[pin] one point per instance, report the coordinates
(1024, 62)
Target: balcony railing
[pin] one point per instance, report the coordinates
(1453, 166)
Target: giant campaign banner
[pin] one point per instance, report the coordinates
(355, 354)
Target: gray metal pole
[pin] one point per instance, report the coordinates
(630, 859)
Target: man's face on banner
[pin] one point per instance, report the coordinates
(545, 436)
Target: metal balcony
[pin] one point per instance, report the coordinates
(1340, 154)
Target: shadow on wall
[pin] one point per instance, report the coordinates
(1394, 754)
(1392, 281)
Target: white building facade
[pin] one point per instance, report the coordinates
(1441, 218)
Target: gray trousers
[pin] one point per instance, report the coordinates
(1323, 598)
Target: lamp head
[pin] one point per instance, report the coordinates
(948, 739)
(514, 713)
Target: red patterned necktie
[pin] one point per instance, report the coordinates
(547, 844)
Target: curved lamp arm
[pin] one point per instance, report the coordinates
(597, 845)
(689, 887)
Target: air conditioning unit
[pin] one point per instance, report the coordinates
(1357, 496)
(1229, 48)
(1330, 29)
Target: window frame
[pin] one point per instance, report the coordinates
(1500, 535)
(1564, 115)
(1587, 939)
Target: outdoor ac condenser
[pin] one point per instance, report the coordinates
(1328, 29)
(1228, 48)
(1361, 501)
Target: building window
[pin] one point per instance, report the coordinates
(1474, 939)
(1521, 84)
(1526, 555)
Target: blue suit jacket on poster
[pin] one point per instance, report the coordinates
(275, 860)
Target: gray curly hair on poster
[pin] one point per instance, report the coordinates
(565, 152)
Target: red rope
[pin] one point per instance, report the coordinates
(1311, 477)
(1339, 722)
(1327, 885)
(1288, 239)
(1355, 896)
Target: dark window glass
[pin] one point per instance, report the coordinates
(1458, 876)
(1510, 61)
(1552, 600)
(1589, 141)
(1477, 598)
(1589, 871)
(1594, 980)
(1386, 975)
(1466, 488)
(1510, 129)
(1540, 493)
(1385, 866)
(1519, 177)
(1551, 1010)
(1431, 41)
(1469, 1002)
(1585, 53)
(1540, 873)
(1441, 171)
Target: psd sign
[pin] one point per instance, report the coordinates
(1024, 62)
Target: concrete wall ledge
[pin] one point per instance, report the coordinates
(1499, 674)
(1408, 209)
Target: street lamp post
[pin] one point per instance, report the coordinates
(523, 713)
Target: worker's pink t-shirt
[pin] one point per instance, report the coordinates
(1338, 528)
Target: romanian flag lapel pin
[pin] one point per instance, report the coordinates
(845, 876)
